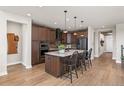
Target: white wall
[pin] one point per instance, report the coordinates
(15, 28)
(3, 44)
(119, 41)
(91, 42)
(4, 17)
(114, 43)
(96, 48)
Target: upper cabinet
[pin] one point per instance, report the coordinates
(78, 34)
(35, 32)
(64, 38)
(43, 34)
(52, 37)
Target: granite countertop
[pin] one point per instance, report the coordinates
(67, 53)
(51, 49)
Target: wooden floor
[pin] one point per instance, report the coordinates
(104, 72)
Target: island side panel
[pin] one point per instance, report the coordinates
(53, 65)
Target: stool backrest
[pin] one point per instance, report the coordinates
(74, 58)
(89, 53)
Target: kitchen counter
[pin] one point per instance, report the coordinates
(54, 62)
(67, 53)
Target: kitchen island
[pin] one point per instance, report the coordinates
(54, 61)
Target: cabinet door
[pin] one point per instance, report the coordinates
(35, 32)
(52, 36)
(35, 52)
(41, 34)
(74, 38)
(64, 37)
(47, 34)
(47, 63)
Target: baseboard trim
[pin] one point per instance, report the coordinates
(28, 67)
(117, 61)
(14, 63)
(3, 73)
(113, 58)
(96, 56)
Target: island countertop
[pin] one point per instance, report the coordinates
(67, 53)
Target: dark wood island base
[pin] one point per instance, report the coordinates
(53, 65)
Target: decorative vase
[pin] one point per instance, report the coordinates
(62, 51)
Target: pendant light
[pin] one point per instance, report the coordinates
(82, 23)
(65, 31)
(75, 25)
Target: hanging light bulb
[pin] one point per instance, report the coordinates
(75, 34)
(75, 25)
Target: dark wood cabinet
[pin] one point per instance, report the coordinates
(64, 38)
(35, 32)
(52, 37)
(35, 52)
(40, 33)
(52, 65)
(78, 34)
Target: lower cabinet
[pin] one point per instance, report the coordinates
(53, 65)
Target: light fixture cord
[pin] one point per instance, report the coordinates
(75, 22)
(65, 19)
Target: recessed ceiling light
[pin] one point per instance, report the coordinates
(40, 6)
(65, 31)
(67, 19)
(69, 27)
(55, 23)
(28, 14)
(80, 25)
(103, 26)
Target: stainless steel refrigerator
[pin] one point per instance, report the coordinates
(82, 43)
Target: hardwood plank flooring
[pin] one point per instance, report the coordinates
(104, 72)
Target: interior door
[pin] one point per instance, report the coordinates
(108, 43)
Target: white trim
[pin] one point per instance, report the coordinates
(117, 61)
(14, 63)
(96, 55)
(28, 67)
(113, 58)
(3, 73)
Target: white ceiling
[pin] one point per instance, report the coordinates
(96, 16)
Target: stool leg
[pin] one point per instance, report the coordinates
(90, 62)
(81, 67)
(76, 71)
(70, 70)
(85, 66)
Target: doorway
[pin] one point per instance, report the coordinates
(108, 43)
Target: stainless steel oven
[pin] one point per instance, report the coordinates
(44, 47)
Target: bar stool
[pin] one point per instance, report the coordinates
(71, 64)
(88, 57)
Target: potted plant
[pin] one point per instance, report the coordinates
(122, 58)
(61, 48)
